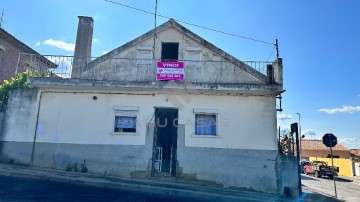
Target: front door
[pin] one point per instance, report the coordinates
(165, 141)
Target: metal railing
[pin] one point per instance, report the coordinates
(127, 69)
(158, 159)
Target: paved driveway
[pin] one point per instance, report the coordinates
(346, 190)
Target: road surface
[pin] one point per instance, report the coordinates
(346, 190)
(21, 189)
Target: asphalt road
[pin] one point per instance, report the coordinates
(346, 190)
(21, 189)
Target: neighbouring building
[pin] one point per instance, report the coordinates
(355, 156)
(16, 57)
(315, 150)
(180, 108)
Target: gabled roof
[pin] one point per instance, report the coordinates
(173, 24)
(355, 152)
(318, 145)
(15, 42)
(21, 46)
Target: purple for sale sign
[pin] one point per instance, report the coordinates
(170, 71)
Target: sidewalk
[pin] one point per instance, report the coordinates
(169, 188)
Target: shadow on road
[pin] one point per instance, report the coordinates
(342, 179)
(317, 197)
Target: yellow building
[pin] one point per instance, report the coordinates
(345, 165)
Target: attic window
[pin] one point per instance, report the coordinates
(193, 56)
(169, 51)
(144, 55)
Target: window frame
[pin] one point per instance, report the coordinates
(125, 111)
(144, 61)
(170, 59)
(193, 50)
(206, 112)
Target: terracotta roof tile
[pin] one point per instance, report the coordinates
(318, 145)
(355, 152)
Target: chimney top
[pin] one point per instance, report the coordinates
(80, 16)
(82, 54)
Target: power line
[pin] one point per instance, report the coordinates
(192, 24)
(271, 53)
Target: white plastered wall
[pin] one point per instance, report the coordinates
(244, 122)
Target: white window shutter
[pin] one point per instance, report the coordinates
(144, 56)
(193, 56)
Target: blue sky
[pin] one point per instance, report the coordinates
(319, 42)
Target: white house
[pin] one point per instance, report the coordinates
(179, 107)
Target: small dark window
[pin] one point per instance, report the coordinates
(169, 51)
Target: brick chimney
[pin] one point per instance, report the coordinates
(82, 55)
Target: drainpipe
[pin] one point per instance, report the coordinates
(36, 127)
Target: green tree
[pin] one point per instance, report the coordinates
(15, 82)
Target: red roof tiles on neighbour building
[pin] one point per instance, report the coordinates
(318, 145)
(355, 152)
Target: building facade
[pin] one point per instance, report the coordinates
(179, 107)
(316, 148)
(355, 156)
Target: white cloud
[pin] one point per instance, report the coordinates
(284, 116)
(95, 40)
(104, 52)
(60, 44)
(351, 143)
(311, 134)
(37, 44)
(350, 109)
(284, 127)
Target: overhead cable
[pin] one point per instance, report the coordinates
(188, 23)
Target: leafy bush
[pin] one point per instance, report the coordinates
(15, 82)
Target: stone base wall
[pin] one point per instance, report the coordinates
(249, 169)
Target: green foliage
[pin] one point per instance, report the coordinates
(15, 82)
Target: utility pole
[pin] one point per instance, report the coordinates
(154, 40)
(277, 48)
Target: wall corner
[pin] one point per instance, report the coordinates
(278, 71)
